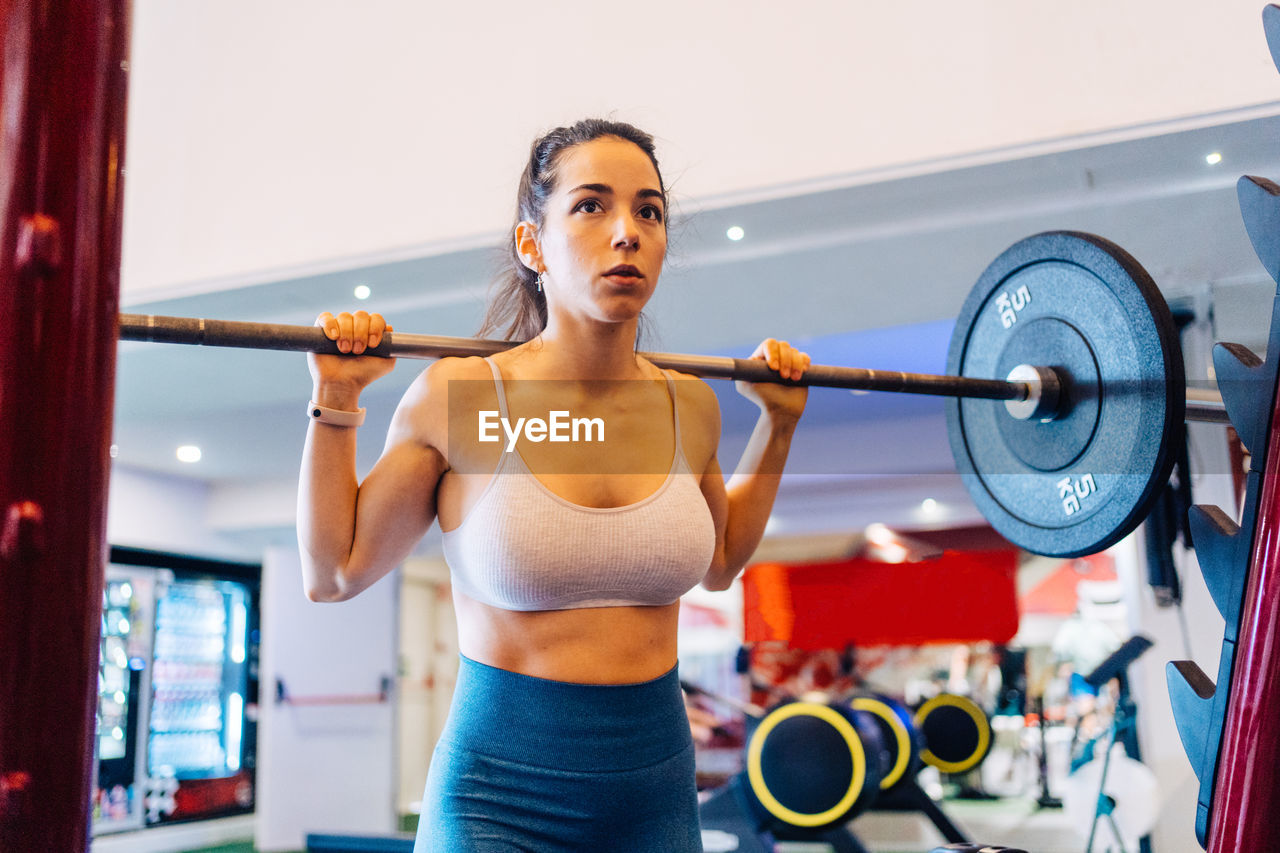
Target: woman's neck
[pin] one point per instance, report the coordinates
(588, 350)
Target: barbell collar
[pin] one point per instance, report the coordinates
(1044, 395)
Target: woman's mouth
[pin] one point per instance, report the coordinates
(623, 274)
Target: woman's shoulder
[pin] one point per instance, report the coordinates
(446, 384)
(694, 394)
(438, 378)
(442, 399)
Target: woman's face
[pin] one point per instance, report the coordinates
(604, 236)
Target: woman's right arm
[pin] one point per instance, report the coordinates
(352, 533)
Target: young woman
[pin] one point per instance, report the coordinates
(567, 730)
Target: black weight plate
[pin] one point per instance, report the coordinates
(807, 764)
(956, 732)
(900, 739)
(1084, 480)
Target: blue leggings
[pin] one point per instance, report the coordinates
(529, 764)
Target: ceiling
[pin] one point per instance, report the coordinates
(869, 274)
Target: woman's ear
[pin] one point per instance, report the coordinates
(527, 246)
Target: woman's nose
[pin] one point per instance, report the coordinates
(625, 233)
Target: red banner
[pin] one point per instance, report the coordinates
(960, 597)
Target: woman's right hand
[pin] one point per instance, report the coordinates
(354, 333)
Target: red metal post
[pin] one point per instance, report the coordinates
(63, 73)
(1246, 794)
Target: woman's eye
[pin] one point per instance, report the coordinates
(589, 205)
(651, 212)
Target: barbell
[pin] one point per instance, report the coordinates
(1202, 405)
(1065, 386)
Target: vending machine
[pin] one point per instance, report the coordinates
(128, 613)
(178, 690)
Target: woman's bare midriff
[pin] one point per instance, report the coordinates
(594, 645)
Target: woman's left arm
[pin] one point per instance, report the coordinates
(741, 507)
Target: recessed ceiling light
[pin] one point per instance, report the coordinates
(114, 451)
(188, 453)
(929, 506)
(735, 233)
(362, 291)
(1213, 159)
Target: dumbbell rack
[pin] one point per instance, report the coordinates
(1230, 730)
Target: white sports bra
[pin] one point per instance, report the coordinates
(523, 547)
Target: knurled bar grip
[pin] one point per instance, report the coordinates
(231, 333)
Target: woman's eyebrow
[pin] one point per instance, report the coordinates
(605, 189)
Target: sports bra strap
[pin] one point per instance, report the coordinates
(497, 383)
(675, 407)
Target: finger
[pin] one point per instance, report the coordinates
(768, 350)
(781, 361)
(804, 364)
(794, 361)
(797, 361)
(359, 332)
(327, 322)
(377, 328)
(786, 359)
(345, 322)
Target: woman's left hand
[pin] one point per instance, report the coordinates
(775, 399)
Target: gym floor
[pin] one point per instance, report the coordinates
(1011, 822)
(1014, 822)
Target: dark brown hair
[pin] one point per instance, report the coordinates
(517, 309)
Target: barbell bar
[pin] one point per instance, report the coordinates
(1201, 405)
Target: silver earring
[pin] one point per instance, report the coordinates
(540, 275)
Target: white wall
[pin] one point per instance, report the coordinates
(165, 514)
(278, 136)
(324, 768)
